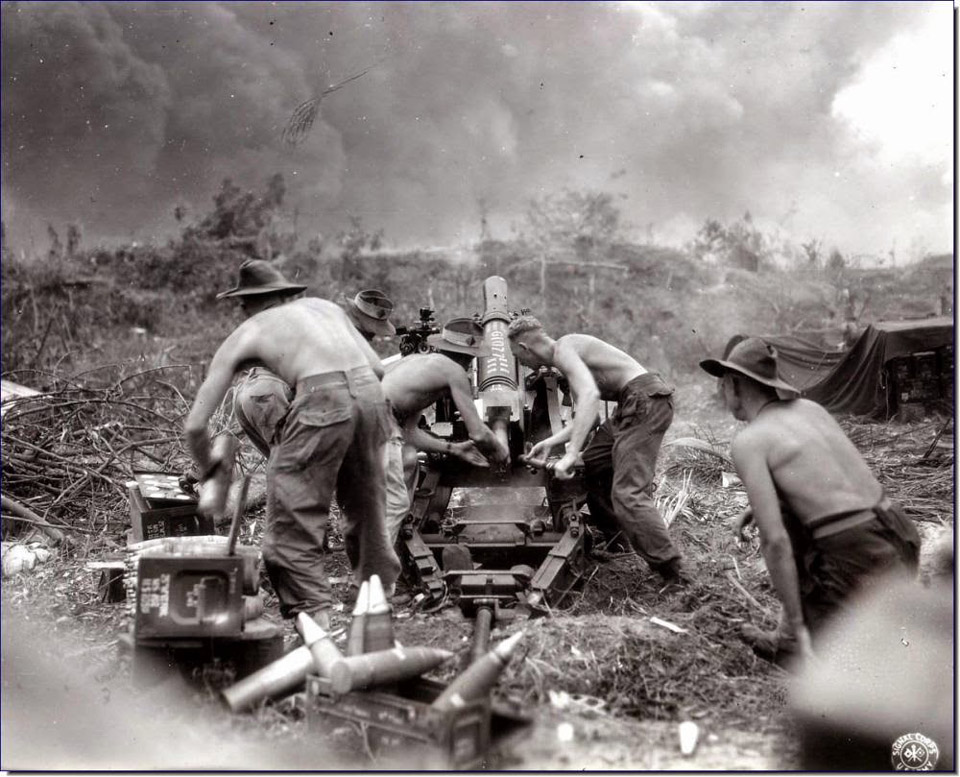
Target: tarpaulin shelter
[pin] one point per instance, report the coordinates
(857, 380)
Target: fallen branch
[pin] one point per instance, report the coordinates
(42, 524)
(69, 464)
(28, 516)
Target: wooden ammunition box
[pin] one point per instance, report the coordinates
(405, 724)
(189, 596)
(165, 514)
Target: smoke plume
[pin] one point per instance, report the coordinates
(115, 113)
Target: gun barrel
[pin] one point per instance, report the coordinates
(495, 300)
(497, 374)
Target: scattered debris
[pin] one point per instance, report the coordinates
(20, 557)
(667, 625)
(689, 733)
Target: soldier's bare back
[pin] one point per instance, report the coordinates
(612, 369)
(301, 338)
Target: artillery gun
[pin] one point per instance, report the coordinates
(493, 554)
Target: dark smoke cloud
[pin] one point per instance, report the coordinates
(113, 113)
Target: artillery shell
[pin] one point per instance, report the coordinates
(323, 649)
(378, 630)
(479, 678)
(384, 666)
(358, 623)
(280, 678)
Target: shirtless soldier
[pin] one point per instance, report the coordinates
(332, 438)
(417, 381)
(628, 442)
(826, 527)
(261, 401)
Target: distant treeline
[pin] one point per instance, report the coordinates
(76, 308)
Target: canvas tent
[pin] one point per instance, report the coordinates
(856, 381)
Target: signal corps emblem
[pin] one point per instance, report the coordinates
(914, 753)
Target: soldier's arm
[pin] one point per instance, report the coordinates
(750, 460)
(420, 438)
(586, 396)
(539, 453)
(481, 434)
(235, 350)
(424, 441)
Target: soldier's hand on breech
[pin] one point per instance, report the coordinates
(563, 469)
(537, 455)
(469, 453)
(501, 459)
(189, 482)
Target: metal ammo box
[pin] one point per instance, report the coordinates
(189, 596)
(406, 723)
(159, 507)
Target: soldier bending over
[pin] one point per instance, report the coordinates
(826, 527)
(331, 440)
(417, 381)
(626, 444)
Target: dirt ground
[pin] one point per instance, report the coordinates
(604, 686)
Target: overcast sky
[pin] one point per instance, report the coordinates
(824, 120)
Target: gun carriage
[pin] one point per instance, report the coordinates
(488, 551)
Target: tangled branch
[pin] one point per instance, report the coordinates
(301, 121)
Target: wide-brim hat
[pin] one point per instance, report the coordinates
(370, 310)
(460, 335)
(756, 359)
(260, 277)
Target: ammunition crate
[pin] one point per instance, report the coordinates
(199, 661)
(189, 596)
(406, 723)
(915, 378)
(152, 518)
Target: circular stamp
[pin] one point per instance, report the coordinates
(914, 753)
